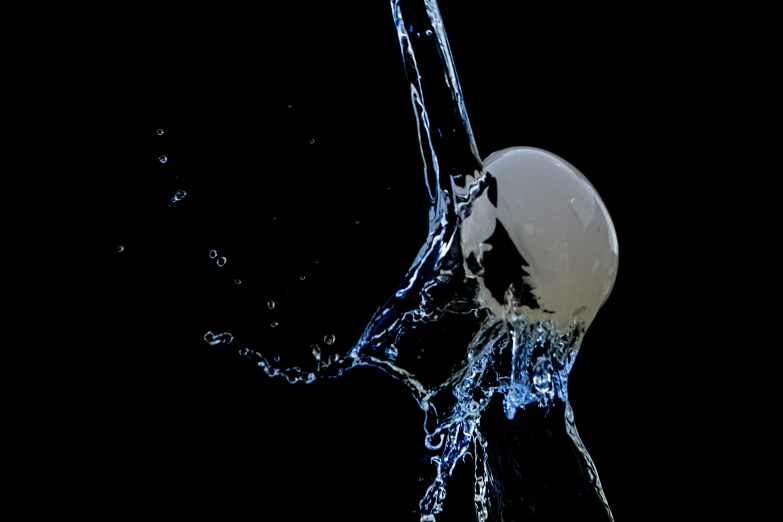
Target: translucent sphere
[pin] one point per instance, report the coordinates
(539, 240)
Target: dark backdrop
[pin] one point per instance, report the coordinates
(171, 425)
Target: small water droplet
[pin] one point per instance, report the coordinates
(277, 358)
(237, 281)
(178, 195)
(270, 305)
(442, 493)
(120, 248)
(329, 339)
(163, 159)
(357, 221)
(316, 261)
(428, 32)
(302, 277)
(312, 141)
(289, 106)
(212, 254)
(160, 132)
(222, 338)
(274, 324)
(221, 261)
(274, 218)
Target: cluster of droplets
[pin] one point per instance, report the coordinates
(219, 261)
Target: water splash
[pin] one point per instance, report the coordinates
(521, 253)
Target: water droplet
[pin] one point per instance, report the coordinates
(357, 221)
(274, 218)
(289, 106)
(391, 353)
(120, 248)
(428, 32)
(316, 351)
(277, 358)
(221, 261)
(163, 159)
(178, 195)
(237, 281)
(329, 339)
(312, 141)
(270, 305)
(160, 132)
(222, 338)
(302, 277)
(316, 261)
(442, 493)
(274, 324)
(212, 254)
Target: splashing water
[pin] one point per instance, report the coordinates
(521, 254)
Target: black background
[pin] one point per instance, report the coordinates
(169, 424)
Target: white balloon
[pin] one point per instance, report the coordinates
(557, 222)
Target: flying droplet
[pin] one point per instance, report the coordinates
(391, 353)
(274, 324)
(222, 338)
(316, 261)
(163, 158)
(302, 277)
(160, 132)
(357, 221)
(212, 254)
(277, 358)
(316, 352)
(428, 32)
(312, 141)
(178, 195)
(221, 261)
(120, 248)
(237, 281)
(270, 305)
(329, 339)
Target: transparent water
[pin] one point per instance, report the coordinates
(520, 254)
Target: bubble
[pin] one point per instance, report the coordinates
(178, 195)
(221, 261)
(237, 281)
(212, 254)
(329, 339)
(160, 132)
(274, 324)
(312, 141)
(270, 304)
(120, 248)
(163, 158)
(222, 338)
